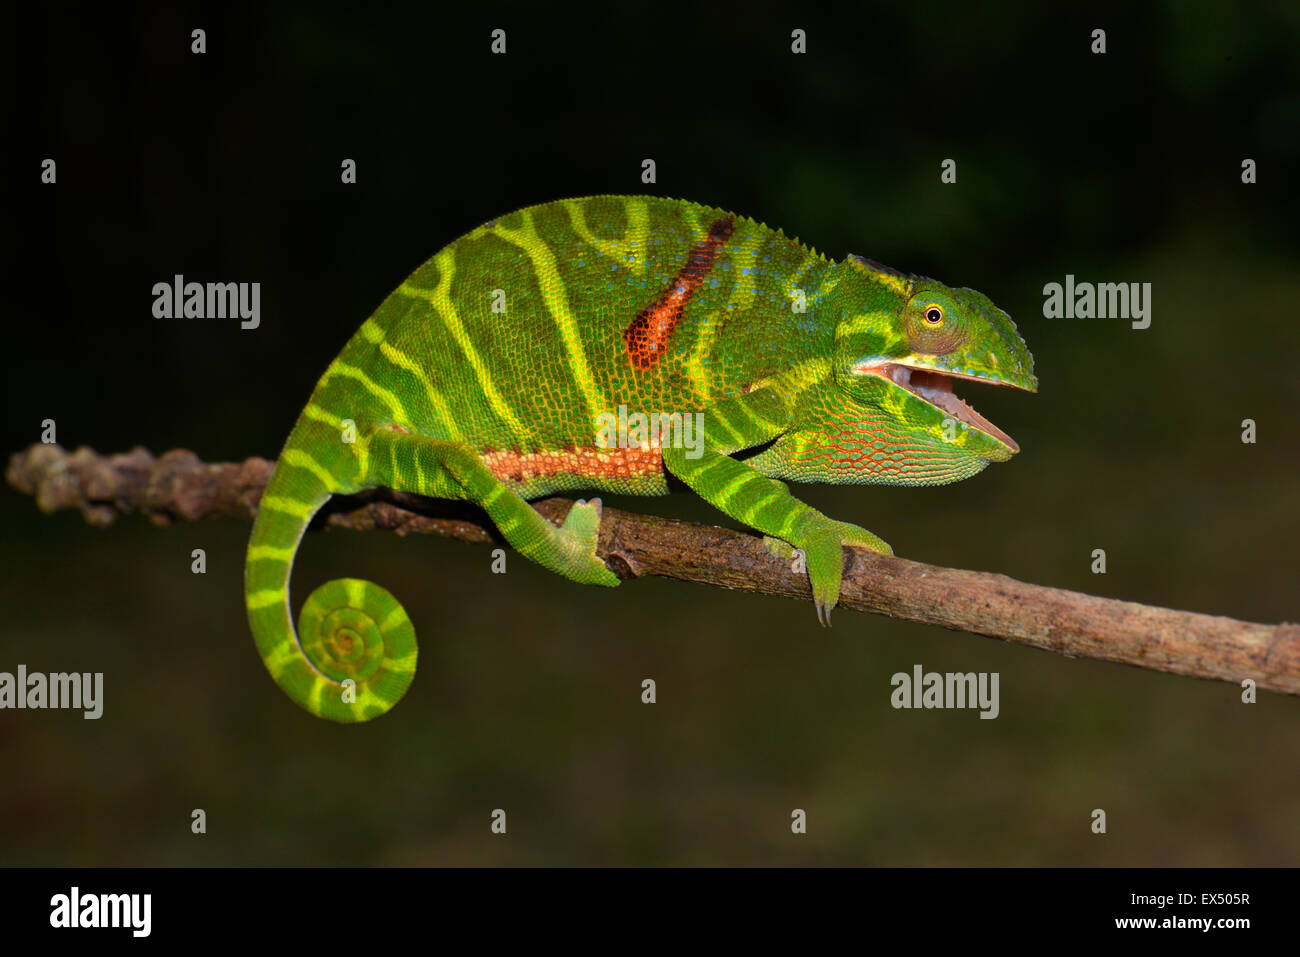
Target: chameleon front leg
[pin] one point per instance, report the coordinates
(444, 469)
(763, 503)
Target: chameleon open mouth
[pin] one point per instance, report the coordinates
(936, 388)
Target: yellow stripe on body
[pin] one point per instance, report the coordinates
(317, 692)
(356, 592)
(556, 300)
(396, 407)
(691, 214)
(895, 284)
(276, 553)
(318, 414)
(743, 255)
(722, 496)
(440, 299)
(321, 414)
(387, 396)
(285, 655)
(877, 322)
(289, 506)
(797, 379)
(705, 337)
(396, 616)
(303, 460)
(265, 598)
(376, 336)
(735, 437)
(744, 260)
(755, 508)
(400, 359)
(633, 249)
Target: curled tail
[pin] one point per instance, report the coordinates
(348, 629)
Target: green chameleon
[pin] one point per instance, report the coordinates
(493, 375)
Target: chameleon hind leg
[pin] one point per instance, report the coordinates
(445, 469)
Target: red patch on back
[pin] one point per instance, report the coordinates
(647, 337)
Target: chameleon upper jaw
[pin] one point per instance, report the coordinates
(935, 387)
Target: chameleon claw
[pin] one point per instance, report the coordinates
(824, 613)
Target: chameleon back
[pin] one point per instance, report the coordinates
(518, 336)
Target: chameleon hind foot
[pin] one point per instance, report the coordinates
(577, 538)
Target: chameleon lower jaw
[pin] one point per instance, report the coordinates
(936, 388)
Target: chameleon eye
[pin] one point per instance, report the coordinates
(933, 314)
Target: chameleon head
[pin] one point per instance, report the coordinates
(906, 349)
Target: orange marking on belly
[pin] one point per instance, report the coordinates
(511, 466)
(647, 337)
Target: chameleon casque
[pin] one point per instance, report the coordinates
(484, 375)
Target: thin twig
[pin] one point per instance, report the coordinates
(179, 487)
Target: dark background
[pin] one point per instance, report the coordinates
(1120, 167)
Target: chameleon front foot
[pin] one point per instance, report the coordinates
(823, 550)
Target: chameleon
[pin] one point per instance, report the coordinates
(492, 374)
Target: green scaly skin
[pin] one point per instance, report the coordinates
(657, 305)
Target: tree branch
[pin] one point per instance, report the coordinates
(178, 486)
